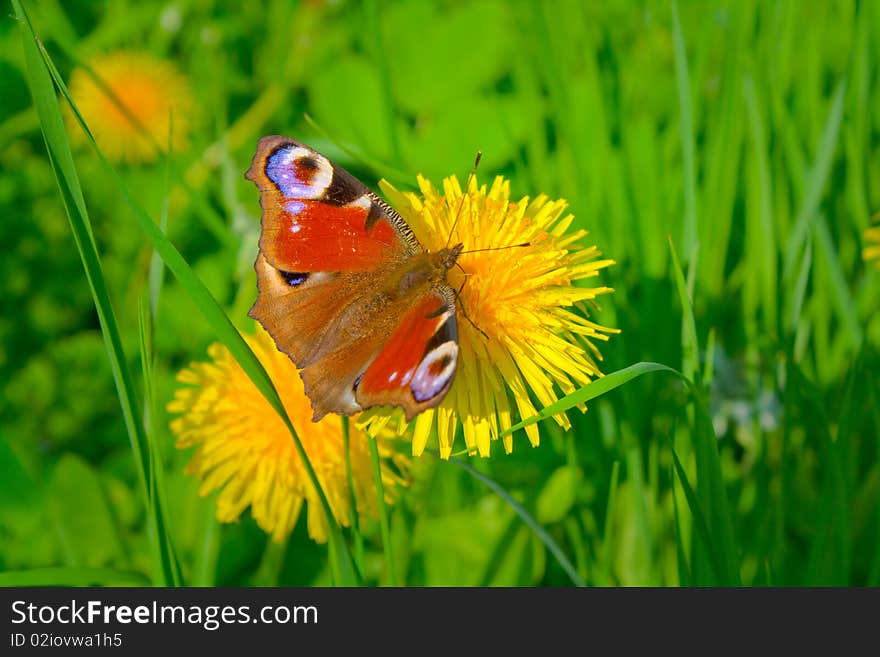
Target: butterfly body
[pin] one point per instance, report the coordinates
(346, 290)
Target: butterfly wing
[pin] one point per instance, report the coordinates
(318, 217)
(326, 245)
(416, 365)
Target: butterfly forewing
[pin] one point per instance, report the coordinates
(318, 217)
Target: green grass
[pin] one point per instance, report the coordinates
(724, 154)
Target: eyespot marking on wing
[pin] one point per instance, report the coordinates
(298, 172)
(434, 372)
(299, 279)
(294, 278)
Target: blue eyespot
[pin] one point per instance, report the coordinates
(297, 173)
(294, 278)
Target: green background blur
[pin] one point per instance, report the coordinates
(751, 138)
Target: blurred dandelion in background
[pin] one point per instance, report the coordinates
(244, 449)
(528, 300)
(132, 105)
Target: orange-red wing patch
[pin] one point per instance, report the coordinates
(315, 236)
(416, 365)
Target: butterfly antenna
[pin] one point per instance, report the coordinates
(497, 248)
(467, 186)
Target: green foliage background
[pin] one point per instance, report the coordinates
(746, 132)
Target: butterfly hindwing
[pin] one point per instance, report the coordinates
(417, 363)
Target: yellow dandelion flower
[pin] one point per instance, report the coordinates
(245, 450)
(132, 108)
(527, 299)
(872, 250)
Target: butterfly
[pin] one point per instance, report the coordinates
(346, 290)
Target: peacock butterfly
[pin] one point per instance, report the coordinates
(346, 290)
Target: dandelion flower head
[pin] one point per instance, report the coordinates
(130, 101)
(245, 451)
(529, 301)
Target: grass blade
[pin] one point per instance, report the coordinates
(699, 517)
(156, 275)
(839, 289)
(684, 569)
(606, 555)
(527, 518)
(641, 565)
(762, 244)
(830, 550)
(354, 521)
(205, 567)
(592, 390)
(815, 183)
(682, 79)
(383, 511)
(167, 557)
(797, 322)
(710, 485)
(710, 488)
(689, 345)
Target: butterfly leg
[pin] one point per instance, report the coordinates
(461, 303)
